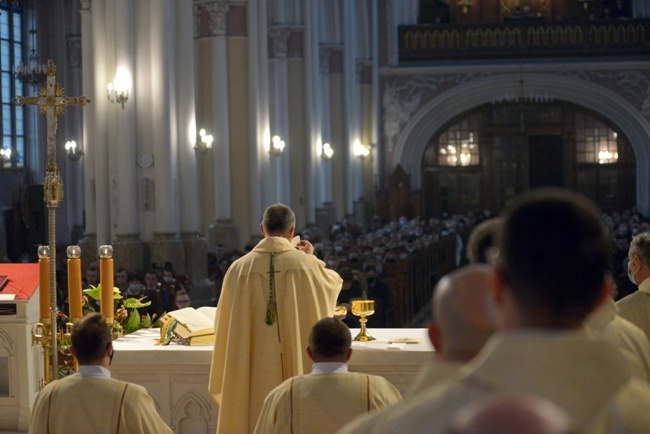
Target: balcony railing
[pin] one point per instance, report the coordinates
(529, 38)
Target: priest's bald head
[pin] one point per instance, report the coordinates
(512, 414)
(278, 221)
(92, 341)
(461, 322)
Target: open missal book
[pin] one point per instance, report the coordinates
(194, 325)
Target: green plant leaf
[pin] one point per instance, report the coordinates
(117, 295)
(133, 323)
(146, 321)
(134, 303)
(94, 291)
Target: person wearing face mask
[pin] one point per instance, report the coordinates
(151, 290)
(376, 289)
(332, 261)
(90, 400)
(168, 290)
(636, 306)
(134, 288)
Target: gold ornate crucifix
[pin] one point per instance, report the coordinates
(52, 102)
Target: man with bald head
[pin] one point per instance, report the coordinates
(511, 414)
(460, 324)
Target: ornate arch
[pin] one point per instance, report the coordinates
(7, 352)
(6, 344)
(444, 107)
(194, 406)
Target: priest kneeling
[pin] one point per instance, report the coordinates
(90, 401)
(330, 396)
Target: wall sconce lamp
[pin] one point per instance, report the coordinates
(74, 152)
(204, 141)
(118, 90)
(277, 146)
(360, 150)
(5, 154)
(326, 151)
(465, 5)
(585, 4)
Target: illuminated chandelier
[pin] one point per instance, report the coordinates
(32, 72)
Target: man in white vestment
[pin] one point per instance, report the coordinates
(330, 396)
(90, 401)
(636, 306)
(460, 325)
(550, 274)
(270, 299)
(602, 323)
(605, 323)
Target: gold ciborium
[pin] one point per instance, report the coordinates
(363, 308)
(340, 312)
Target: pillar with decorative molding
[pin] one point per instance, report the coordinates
(166, 245)
(195, 247)
(127, 246)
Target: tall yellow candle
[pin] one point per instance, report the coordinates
(44, 280)
(74, 281)
(106, 280)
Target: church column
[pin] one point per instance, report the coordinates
(352, 108)
(378, 167)
(364, 80)
(313, 111)
(165, 245)
(196, 261)
(326, 213)
(337, 129)
(258, 102)
(278, 76)
(128, 248)
(99, 139)
(222, 230)
(303, 128)
(74, 171)
(325, 187)
(89, 242)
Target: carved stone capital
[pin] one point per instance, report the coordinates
(216, 11)
(85, 5)
(279, 38)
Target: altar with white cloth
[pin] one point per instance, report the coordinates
(176, 375)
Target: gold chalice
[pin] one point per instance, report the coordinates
(340, 312)
(363, 308)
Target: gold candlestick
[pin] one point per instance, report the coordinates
(115, 327)
(66, 341)
(363, 308)
(42, 335)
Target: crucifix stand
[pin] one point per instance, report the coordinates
(51, 102)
